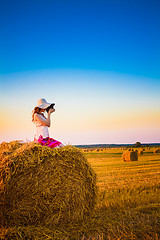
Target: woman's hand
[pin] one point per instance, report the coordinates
(51, 110)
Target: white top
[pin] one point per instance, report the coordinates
(41, 129)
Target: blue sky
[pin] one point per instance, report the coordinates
(119, 36)
(98, 60)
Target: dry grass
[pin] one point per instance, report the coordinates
(129, 195)
(128, 205)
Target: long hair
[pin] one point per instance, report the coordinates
(35, 110)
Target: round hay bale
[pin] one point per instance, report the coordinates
(128, 156)
(44, 186)
(140, 152)
(157, 150)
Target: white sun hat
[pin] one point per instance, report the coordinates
(42, 103)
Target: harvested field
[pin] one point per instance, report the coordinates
(128, 204)
(129, 195)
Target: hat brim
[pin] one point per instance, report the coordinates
(44, 105)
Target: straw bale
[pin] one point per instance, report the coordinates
(128, 156)
(44, 186)
(140, 152)
(157, 150)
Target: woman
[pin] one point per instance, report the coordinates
(42, 123)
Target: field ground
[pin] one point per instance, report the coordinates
(128, 204)
(129, 194)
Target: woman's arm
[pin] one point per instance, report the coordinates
(40, 119)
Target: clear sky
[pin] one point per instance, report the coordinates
(98, 60)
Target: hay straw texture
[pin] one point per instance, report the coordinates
(128, 156)
(45, 187)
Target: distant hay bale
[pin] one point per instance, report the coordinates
(128, 156)
(140, 152)
(87, 150)
(44, 186)
(157, 150)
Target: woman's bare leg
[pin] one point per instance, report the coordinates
(61, 145)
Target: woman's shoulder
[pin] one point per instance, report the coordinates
(37, 116)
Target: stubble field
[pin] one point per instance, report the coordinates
(128, 204)
(129, 194)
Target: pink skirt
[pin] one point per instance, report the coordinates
(49, 142)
